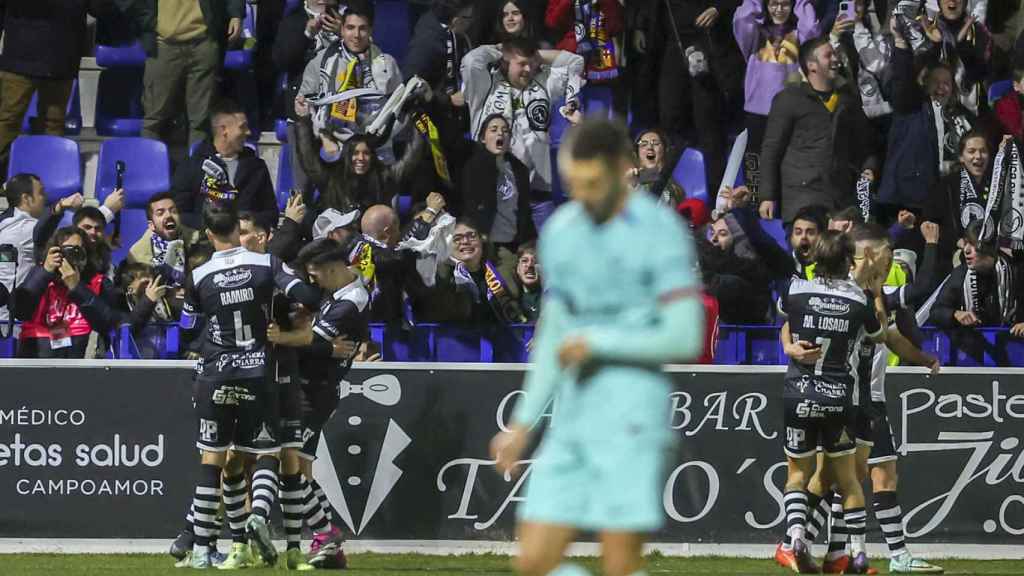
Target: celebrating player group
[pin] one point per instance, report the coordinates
(269, 375)
(267, 382)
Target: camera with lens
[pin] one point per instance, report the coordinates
(74, 255)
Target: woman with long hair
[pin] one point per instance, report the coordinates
(351, 175)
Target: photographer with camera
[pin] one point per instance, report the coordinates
(51, 302)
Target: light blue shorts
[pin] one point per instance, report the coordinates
(602, 465)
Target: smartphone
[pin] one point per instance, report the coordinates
(8, 254)
(849, 8)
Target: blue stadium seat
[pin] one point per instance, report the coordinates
(241, 59)
(291, 6)
(281, 130)
(732, 344)
(119, 102)
(403, 205)
(776, 230)
(72, 114)
(125, 56)
(510, 345)
(119, 93)
(54, 159)
(597, 99)
(147, 172)
(689, 172)
(458, 344)
(999, 89)
(391, 27)
(284, 176)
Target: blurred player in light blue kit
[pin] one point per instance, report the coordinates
(622, 298)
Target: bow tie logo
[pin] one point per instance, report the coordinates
(384, 389)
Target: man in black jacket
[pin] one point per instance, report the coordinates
(817, 143)
(300, 36)
(184, 42)
(42, 47)
(225, 171)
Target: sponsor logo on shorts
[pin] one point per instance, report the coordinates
(207, 430)
(795, 437)
(232, 395)
(828, 305)
(263, 435)
(232, 278)
(812, 409)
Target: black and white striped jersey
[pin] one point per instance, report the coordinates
(835, 315)
(234, 291)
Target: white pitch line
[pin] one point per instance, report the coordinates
(459, 547)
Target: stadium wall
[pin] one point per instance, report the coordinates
(105, 450)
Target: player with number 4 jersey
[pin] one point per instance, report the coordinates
(236, 397)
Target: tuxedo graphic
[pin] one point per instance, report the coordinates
(384, 390)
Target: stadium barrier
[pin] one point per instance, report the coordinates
(735, 344)
(105, 450)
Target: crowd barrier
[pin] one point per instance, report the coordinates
(737, 345)
(106, 450)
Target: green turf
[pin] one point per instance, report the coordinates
(411, 564)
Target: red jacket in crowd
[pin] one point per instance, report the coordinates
(1008, 110)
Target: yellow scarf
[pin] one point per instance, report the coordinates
(348, 79)
(832, 103)
(427, 129)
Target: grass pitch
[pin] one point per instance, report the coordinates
(413, 564)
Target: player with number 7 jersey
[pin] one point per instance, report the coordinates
(829, 316)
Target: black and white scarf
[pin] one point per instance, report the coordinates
(506, 101)
(1004, 214)
(452, 62)
(864, 197)
(1004, 287)
(971, 209)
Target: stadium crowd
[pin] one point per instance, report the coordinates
(437, 172)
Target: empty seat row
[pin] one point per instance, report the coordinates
(57, 161)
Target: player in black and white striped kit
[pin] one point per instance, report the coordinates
(829, 316)
(875, 446)
(236, 399)
(342, 314)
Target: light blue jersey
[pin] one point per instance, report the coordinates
(630, 288)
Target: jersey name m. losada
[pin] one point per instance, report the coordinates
(233, 291)
(835, 315)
